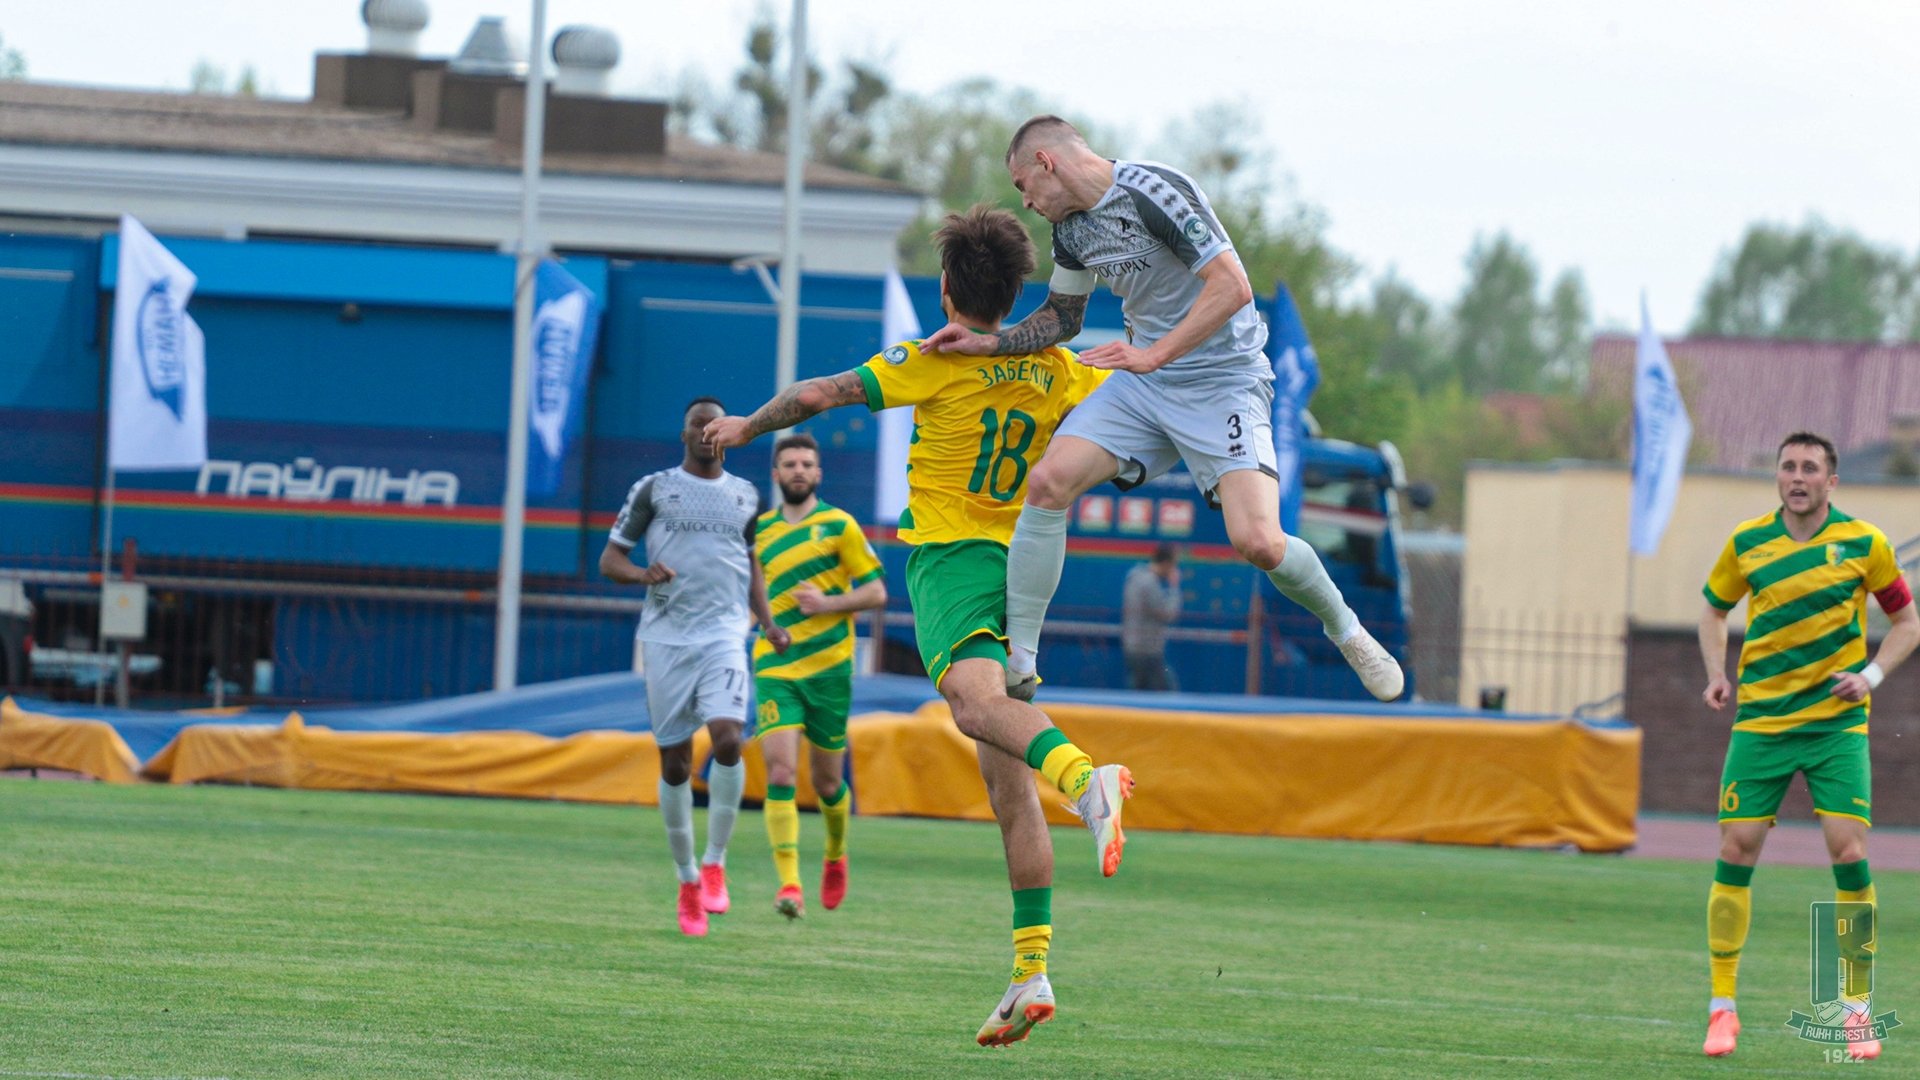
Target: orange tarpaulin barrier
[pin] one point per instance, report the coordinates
(1466, 781)
(593, 766)
(36, 741)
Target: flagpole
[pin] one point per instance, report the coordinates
(787, 346)
(1626, 632)
(513, 504)
(106, 575)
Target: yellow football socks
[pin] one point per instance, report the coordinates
(1065, 765)
(783, 832)
(1729, 911)
(835, 812)
(1852, 883)
(1032, 931)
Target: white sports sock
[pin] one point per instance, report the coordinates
(676, 809)
(1034, 560)
(1302, 578)
(1022, 661)
(724, 785)
(1719, 1003)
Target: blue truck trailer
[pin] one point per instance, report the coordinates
(357, 396)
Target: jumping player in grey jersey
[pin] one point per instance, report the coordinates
(1190, 382)
(697, 522)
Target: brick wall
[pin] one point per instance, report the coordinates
(1685, 742)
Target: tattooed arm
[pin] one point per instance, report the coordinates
(803, 400)
(1057, 320)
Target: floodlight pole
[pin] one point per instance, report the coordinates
(787, 349)
(513, 505)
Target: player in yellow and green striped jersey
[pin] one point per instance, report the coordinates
(819, 570)
(1805, 681)
(979, 424)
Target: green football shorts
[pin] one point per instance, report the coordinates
(819, 703)
(1759, 767)
(959, 597)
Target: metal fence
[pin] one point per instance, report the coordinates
(1522, 661)
(219, 633)
(292, 635)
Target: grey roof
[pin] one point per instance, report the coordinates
(53, 114)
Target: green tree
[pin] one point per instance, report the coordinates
(13, 63)
(1445, 430)
(1356, 400)
(1495, 344)
(951, 146)
(1276, 236)
(206, 78)
(1814, 282)
(1567, 332)
(752, 114)
(1412, 339)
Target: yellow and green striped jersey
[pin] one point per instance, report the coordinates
(827, 549)
(979, 423)
(1806, 621)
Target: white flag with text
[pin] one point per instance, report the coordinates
(897, 323)
(157, 408)
(1662, 433)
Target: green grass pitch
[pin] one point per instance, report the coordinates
(226, 932)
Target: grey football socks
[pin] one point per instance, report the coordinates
(1302, 578)
(1034, 561)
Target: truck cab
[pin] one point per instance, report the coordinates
(1235, 632)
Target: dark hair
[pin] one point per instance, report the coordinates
(800, 441)
(1165, 552)
(1045, 124)
(1808, 438)
(704, 399)
(986, 255)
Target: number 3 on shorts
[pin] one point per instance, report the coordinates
(1233, 425)
(1729, 799)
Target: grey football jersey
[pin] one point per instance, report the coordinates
(1148, 237)
(700, 529)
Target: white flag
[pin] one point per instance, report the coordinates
(897, 323)
(157, 410)
(1661, 435)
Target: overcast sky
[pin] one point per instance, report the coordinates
(1631, 139)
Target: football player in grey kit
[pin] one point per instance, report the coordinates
(697, 523)
(1190, 382)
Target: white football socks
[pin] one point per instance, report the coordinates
(676, 809)
(724, 785)
(1302, 578)
(1035, 557)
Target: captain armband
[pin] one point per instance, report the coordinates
(1895, 596)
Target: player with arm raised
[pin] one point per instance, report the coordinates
(1191, 382)
(978, 426)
